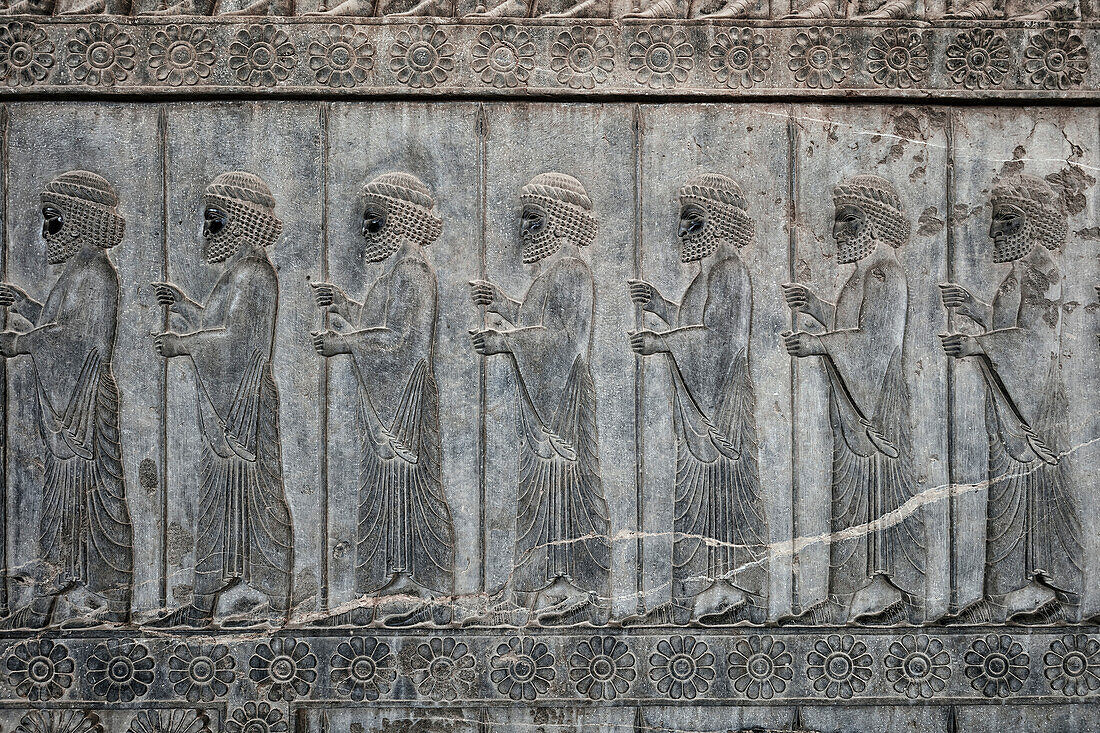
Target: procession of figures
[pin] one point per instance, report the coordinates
(405, 548)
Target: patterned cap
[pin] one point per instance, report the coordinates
(401, 187)
(244, 187)
(717, 188)
(558, 187)
(84, 186)
(1045, 210)
(877, 197)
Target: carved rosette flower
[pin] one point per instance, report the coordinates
(26, 54)
(201, 673)
(739, 58)
(1073, 665)
(120, 670)
(978, 58)
(917, 666)
(255, 717)
(443, 669)
(661, 57)
(602, 667)
(820, 57)
(59, 721)
(170, 721)
(522, 668)
(101, 53)
(285, 666)
(362, 669)
(839, 666)
(996, 665)
(1056, 59)
(181, 54)
(422, 57)
(682, 667)
(898, 58)
(262, 55)
(582, 58)
(40, 669)
(760, 667)
(503, 56)
(341, 56)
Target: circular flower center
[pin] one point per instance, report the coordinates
(818, 57)
(602, 668)
(681, 667)
(739, 58)
(181, 54)
(760, 666)
(100, 55)
(522, 669)
(40, 669)
(996, 666)
(1075, 664)
(421, 56)
(898, 58)
(120, 669)
(503, 57)
(201, 670)
(341, 56)
(1056, 59)
(363, 669)
(838, 666)
(660, 58)
(582, 58)
(977, 58)
(282, 669)
(441, 667)
(20, 54)
(255, 726)
(262, 56)
(917, 666)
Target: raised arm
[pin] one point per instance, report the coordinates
(172, 297)
(956, 297)
(485, 293)
(646, 294)
(803, 300)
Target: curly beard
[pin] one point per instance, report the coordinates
(856, 248)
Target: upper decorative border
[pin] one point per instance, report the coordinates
(292, 56)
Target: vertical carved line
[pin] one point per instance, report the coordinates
(162, 144)
(3, 365)
(322, 387)
(792, 275)
(639, 368)
(481, 129)
(953, 571)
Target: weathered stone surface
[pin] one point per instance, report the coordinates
(503, 372)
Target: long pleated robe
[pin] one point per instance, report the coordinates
(720, 524)
(243, 527)
(404, 521)
(561, 521)
(84, 534)
(1033, 525)
(872, 467)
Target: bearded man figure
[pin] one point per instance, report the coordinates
(243, 525)
(405, 553)
(85, 539)
(562, 551)
(1033, 556)
(877, 576)
(720, 559)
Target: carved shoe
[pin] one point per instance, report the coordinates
(1050, 613)
(25, 618)
(188, 616)
(978, 613)
(825, 613)
(665, 614)
(879, 603)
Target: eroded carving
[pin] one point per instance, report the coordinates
(876, 577)
(243, 532)
(85, 540)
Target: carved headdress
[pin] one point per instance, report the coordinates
(251, 208)
(727, 215)
(90, 209)
(880, 202)
(568, 210)
(1044, 215)
(408, 204)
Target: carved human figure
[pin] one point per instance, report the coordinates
(720, 559)
(1033, 556)
(392, 8)
(1042, 10)
(215, 7)
(243, 531)
(545, 9)
(406, 539)
(877, 575)
(696, 9)
(83, 7)
(85, 540)
(859, 9)
(562, 550)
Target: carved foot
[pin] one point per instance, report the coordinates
(732, 9)
(96, 619)
(978, 613)
(358, 616)
(562, 603)
(25, 618)
(825, 613)
(975, 10)
(1059, 10)
(666, 614)
(659, 9)
(721, 598)
(189, 616)
(350, 8)
(1051, 613)
(879, 603)
(892, 10)
(820, 10)
(427, 9)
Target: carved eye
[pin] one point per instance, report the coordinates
(54, 220)
(215, 220)
(374, 220)
(533, 221)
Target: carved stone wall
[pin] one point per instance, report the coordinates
(523, 373)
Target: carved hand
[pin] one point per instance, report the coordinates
(168, 294)
(11, 297)
(642, 293)
(168, 344)
(800, 344)
(329, 296)
(957, 297)
(959, 345)
(647, 343)
(329, 343)
(489, 342)
(484, 292)
(8, 344)
(800, 298)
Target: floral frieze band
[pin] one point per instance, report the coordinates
(622, 58)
